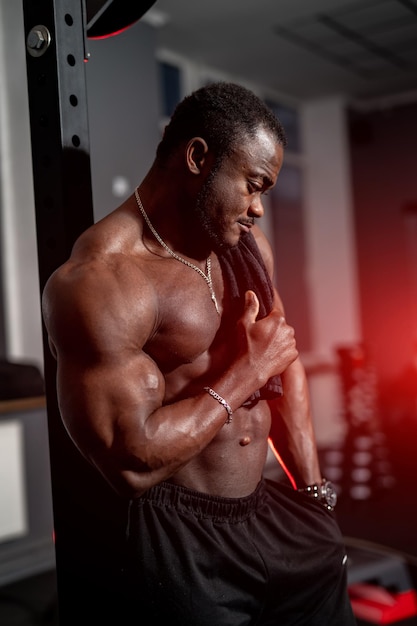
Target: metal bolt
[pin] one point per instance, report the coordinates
(35, 39)
(38, 40)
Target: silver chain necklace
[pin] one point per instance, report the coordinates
(206, 277)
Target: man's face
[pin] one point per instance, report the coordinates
(230, 198)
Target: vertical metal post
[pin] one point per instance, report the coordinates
(55, 44)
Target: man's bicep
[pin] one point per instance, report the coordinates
(102, 400)
(97, 329)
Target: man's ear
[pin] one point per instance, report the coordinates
(196, 154)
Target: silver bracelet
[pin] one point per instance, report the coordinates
(222, 402)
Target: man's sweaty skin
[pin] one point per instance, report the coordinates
(134, 354)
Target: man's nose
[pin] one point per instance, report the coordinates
(256, 208)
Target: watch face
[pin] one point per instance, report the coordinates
(329, 493)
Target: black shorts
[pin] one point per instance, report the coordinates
(273, 558)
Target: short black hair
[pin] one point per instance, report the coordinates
(221, 113)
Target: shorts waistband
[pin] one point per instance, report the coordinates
(204, 504)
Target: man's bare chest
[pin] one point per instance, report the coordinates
(189, 329)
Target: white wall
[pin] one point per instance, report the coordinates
(331, 261)
(22, 311)
(330, 244)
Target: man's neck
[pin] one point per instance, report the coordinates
(168, 215)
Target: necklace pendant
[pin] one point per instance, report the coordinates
(213, 297)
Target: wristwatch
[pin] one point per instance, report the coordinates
(323, 492)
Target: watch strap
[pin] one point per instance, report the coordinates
(324, 492)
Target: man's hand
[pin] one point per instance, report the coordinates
(268, 343)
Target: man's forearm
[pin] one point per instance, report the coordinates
(297, 446)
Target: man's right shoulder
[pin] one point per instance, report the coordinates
(76, 275)
(99, 287)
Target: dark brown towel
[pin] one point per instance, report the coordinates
(244, 269)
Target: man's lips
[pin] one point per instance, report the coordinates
(247, 224)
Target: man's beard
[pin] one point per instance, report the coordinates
(212, 227)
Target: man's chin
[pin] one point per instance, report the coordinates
(225, 244)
